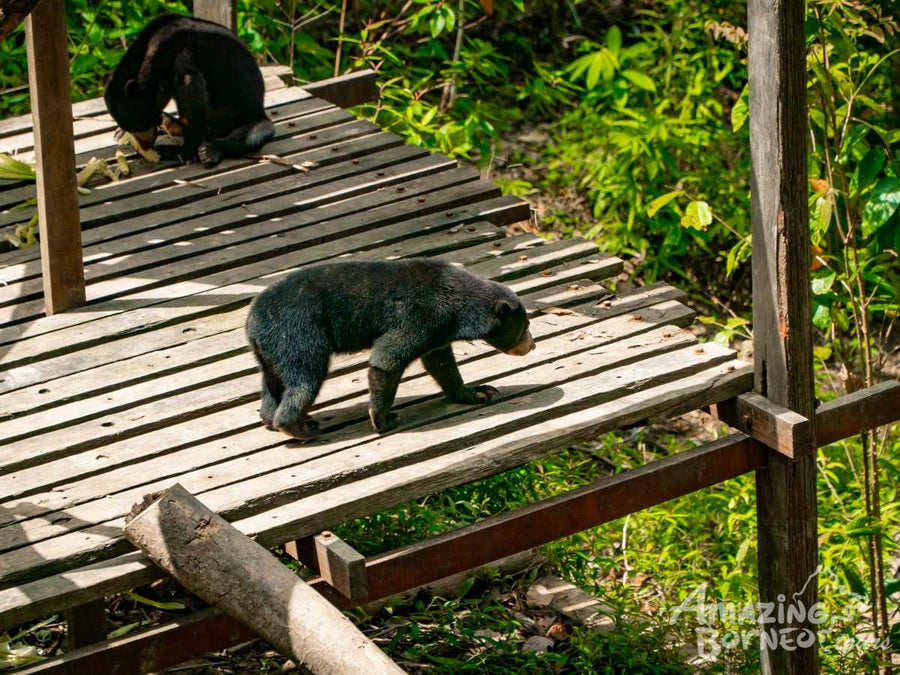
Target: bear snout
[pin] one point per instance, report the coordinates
(523, 346)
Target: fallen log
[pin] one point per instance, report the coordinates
(227, 569)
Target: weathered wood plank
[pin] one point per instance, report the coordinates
(235, 452)
(343, 218)
(550, 390)
(222, 12)
(346, 90)
(129, 343)
(137, 232)
(48, 77)
(113, 465)
(28, 447)
(782, 332)
(313, 514)
(95, 107)
(106, 277)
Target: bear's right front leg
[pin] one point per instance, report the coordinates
(382, 390)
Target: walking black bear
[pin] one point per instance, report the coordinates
(213, 78)
(402, 310)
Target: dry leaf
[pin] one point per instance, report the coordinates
(558, 311)
(488, 6)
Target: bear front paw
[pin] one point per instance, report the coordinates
(475, 395)
(383, 423)
(209, 154)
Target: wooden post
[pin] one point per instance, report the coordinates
(219, 563)
(782, 332)
(220, 11)
(85, 624)
(54, 150)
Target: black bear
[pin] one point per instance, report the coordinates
(402, 310)
(213, 78)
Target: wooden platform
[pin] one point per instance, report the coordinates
(151, 382)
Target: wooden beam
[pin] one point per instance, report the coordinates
(346, 90)
(54, 149)
(341, 566)
(223, 12)
(782, 345)
(781, 429)
(857, 412)
(12, 13)
(85, 624)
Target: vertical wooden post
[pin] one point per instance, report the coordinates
(782, 331)
(220, 11)
(54, 149)
(85, 624)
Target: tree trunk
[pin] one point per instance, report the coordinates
(217, 562)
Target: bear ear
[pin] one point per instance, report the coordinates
(503, 307)
(132, 88)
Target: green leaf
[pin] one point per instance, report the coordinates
(822, 353)
(697, 215)
(821, 317)
(868, 168)
(882, 204)
(891, 587)
(661, 201)
(137, 597)
(614, 39)
(823, 284)
(741, 110)
(639, 79)
(853, 581)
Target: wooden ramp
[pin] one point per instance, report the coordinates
(151, 383)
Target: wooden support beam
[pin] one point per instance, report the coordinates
(781, 429)
(223, 12)
(341, 566)
(346, 90)
(85, 624)
(855, 413)
(54, 149)
(206, 555)
(782, 333)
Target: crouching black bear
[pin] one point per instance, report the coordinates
(213, 78)
(402, 310)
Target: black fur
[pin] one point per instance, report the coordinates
(213, 78)
(402, 310)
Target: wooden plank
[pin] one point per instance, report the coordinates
(347, 90)
(130, 342)
(266, 256)
(27, 447)
(565, 385)
(137, 231)
(153, 648)
(171, 185)
(235, 452)
(217, 368)
(222, 12)
(776, 427)
(340, 182)
(97, 471)
(782, 333)
(286, 116)
(35, 599)
(858, 412)
(603, 501)
(96, 108)
(48, 77)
